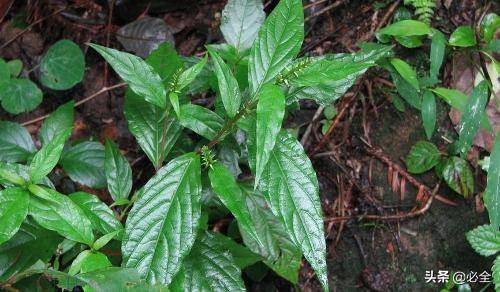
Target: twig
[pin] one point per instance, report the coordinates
(108, 38)
(92, 96)
(326, 9)
(318, 113)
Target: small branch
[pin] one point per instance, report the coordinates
(326, 9)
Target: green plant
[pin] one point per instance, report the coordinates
(424, 9)
(165, 239)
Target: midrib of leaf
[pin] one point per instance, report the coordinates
(241, 28)
(216, 265)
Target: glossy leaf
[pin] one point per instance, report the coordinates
(463, 36)
(13, 209)
(228, 85)
(458, 175)
(278, 42)
(95, 261)
(406, 71)
(489, 25)
(57, 122)
(406, 28)
(20, 95)
(162, 225)
(118, 171)
(47, 158)
(242, 256)
(471, 117)
(165, 61)
(84, 163)
(12, 174)
(208, 268)
(201, 120)
(406, 90)
(63, 66)
(270, 113)
(189, 75)
(15, 142)
(61, 215)
(492, 192)
(241, 21)
(438, 46)
(76, 264)
(484, 239)
(496, 273)
(423, 156)
(139, 75)
(429, 113)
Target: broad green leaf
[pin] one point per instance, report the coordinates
(406, 71)
(76, 265)
(201, 120)
(228, 86)
(429, 113)
(492, 46)
(489, 25)
(105, 239)
(62, 66)
(458, 176)
(471, 117)
(406, 28)
(241, 21)
(484, 239)
(242, 256)
(225, 186)
(101, 216)
(411, 42)
(15, 142)
(118, 171)
(13, 209)
(57, 122)
(165, 61)
(496, 273)
(84, 163)
(438, 46)
(15, 67)
(162, 225)
(12, 174)
(492, 192)
(95, 261)
(208, 268)
(290, 187)
(204, 81)
(20, 95)
(155, 133)
(278, 42)
(61, 215)
(47, 158)
(139, 75)
(270, 113)
(422, 157)
(4, 73)
(190, 74)
(463, 36)
(406, 90)
(174, 101)
(230, 159)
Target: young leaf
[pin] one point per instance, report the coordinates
(406, 71)
(15, 142)
(225, 186)
(95, 261)
(208, 268)
(270, 113)
(438, 46)
(190, 74)
(76, 265)
(105, 239)
(484, 239)
(174, 100)
(278, 42)
(290, 187)
(162, 226)
(492, 192)
(46, 158)
(84, 163)
(228, 86)
(118, 171)
(469, 123)
(458, 176)
(139, 75)
(200, 120)
(20, 95)
(60, 214)
(101, 216)
(57, 122)
(62, 66)
(13, 209)
(241, 21)
(422, 157)
(406, 28)
(463, 36)
(429, 113)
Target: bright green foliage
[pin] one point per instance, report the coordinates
(489, 25)
(424, 9)
(429, 113)
(15, 67)
(438, 47)
(63, 66)
(496, 273)
(189, 75)
(406, 28)
(57, 122)
(406, 71)
(457, 174)
(46, 159)
(485, 240)
(13, 209)
(492, 192)
(20, 95)
(15, 142)
(463, 36)
(422, 157)
(84, 163)
(200, 120)
(118, 172)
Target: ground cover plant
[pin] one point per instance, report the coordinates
(227, 191)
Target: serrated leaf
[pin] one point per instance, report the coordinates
(200, 120)
(189, 75)
(20, 95)
(13, 209)
(484, 239)
(118, 171)
(84, 163)
(270, 113)
(57, 122)
(241, 21)
(462, 36)
(438, 47)
(492, 192)
(139, 75)
(15, 142)
(406, 71)
(471, 117)
(162, 225)
(290, 187)
(278, 42)
(100, 215)
(406, 28)
(208, 268)
(228, 86)
(496, 273)
(242, 256)
(62, 66)
(458, 176)
(47, 158)
(428, 113)
(423, 156)
(61, 215)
